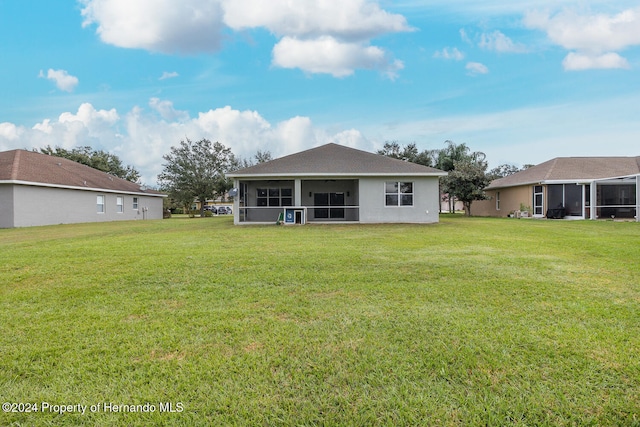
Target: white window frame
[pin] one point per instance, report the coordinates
(119, 204)
(497, 200)
(398, 193)
(101, 204)
(135, 203)
(542, 201)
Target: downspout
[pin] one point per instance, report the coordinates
(593, 201)
(638, 198)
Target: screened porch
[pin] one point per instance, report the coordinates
(318, 200)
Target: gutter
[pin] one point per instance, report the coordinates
(72, 187)
(332, 175)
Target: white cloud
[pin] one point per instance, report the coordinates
(345, 19)
(9, 131)
(89, 116)
(166, 26)
(191, 26)
(45, 126)
(475, 68)
(448, 53)
(578, 61)
(464, 36)
(63, 80)
(498, 42)
(141, 137)
(595, 38)
(330, 56)
(168, 75)
(166, 110)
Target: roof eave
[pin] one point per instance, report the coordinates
(562, 181)
(71, 187)
(334, 175)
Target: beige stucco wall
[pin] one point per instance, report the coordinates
(510, 200)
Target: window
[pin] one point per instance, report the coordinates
(135, 203)
(262, 197)
(274, 197)
(497, 200)
(398, 193)
(119, 204)
(100, 204)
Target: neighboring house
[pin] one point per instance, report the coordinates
(568, 187)
(38, 189)
(333, 183)
(448, 204)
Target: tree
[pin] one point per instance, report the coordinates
(408, 153)
(445, 160)
(502, 171)
(452, 153)
(259, 157)
(468, 179)
(262, 156)
(97, 159)
(196, 171)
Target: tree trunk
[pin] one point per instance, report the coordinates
(467, 208)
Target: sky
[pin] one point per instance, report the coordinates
(522, 81)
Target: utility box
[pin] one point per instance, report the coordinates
(295, 215)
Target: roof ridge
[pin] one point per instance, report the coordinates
(551, 168)
(15, 167)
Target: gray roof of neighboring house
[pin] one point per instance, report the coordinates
(572, 169)
(335, 160)
(30, 167)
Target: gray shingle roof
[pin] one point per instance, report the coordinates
(22, 166)
(572, 169)
(335, 160)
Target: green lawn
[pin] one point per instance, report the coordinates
(467, 322)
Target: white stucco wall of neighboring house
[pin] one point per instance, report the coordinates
(38, 205)
(425, 201)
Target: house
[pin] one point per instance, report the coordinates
(568, 187)
(38, 189)
(334, 183)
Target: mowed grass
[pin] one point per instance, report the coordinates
(467, 322)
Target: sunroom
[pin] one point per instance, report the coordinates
(604, 199)
(310, 200)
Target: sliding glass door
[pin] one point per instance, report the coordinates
(334, 203)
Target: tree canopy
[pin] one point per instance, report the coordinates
(97, 159)
(502, 171)
(409, 153)
(196, 170)
(259, 157)
(468, 179)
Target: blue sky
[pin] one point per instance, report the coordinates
(522, 81)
